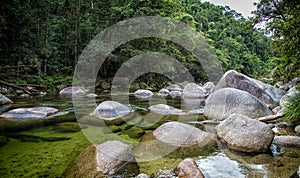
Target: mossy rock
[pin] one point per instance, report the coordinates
(67, 127)
(135, 132)
(3, 140)
(125, 127)
(114, 128)
(13, 126)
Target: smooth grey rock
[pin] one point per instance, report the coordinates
(143, 94)
(175, 94)
(5, 100)
(182, 135)
(22, 114)
(284, 101)
(266, 93)
(91, 95)
(164, 109)
(174, 87)
(188, 169)
(297, 130)
(110, 110)
(163, 92)
(193, 90)
(286, 146)
(244, 134)
(291, 141)
(109, 159)
(227, 101)
(209, 87)
(142, 175)
(72, 91)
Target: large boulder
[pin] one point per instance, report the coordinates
(23, 114)
(143, 94)
(175, 94)
(193, 90)
(227, 101)
(180, 134)
(188, 169)
(164, 109)
(72, 91)
(109, 159)
(266, 93)
(244, 134)
(175, 140)
(110, 110)
(5, 100)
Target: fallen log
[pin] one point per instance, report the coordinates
(270, 118)
(26, 90)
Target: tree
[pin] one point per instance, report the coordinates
(282, 21)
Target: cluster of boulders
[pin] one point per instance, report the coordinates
(237, 102)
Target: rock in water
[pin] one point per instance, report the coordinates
(72, 92)
(193, 90)
(163, 92)
(188, 169)
(181, 135)
(164, 109)
(22, 114)
(227, 101)
(143, 94)
(109, 159)
(109, 110)
(5, 100)
(175, 94)
(174, 87)
(266, 93)
(244, 134)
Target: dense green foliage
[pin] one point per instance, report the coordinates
(292, 110)
(42, 40)
(281, 18)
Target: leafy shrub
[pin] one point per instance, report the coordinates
(292, 110)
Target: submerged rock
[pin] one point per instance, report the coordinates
(72, 91)
(227, 101)
(193, 90)
(22, 114)
(143, 94)
(266, 93)
(188, 169)
(109, 159)
(175, 140)
(164, 109)
(244, 134)
(110, 110)
(5, 100)
(174, 87)
(182, 135)
(175, 94)
(163, 92)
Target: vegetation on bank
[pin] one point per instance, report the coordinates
(41, 41)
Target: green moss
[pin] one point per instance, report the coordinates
(66, 127)
(41, 159)
(135, 132)
(3, 140)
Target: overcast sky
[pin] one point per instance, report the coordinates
(241, 6)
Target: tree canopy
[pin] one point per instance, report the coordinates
(43, 39)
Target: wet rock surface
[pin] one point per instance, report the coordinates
(227, 101)
(244, 134)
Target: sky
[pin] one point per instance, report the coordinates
(241, 6)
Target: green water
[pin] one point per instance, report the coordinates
(38, 158)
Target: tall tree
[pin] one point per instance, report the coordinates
(282, 21)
